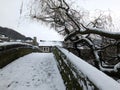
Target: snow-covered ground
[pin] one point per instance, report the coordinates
(36, 71)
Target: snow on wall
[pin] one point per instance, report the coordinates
(98, 78)
(12, 43)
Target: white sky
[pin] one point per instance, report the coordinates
(101, 4)
(10, 16)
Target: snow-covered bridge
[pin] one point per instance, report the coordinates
(36, 71)
(41, 71)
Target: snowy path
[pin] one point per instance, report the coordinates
(36, 71)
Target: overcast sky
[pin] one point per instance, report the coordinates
(10, 16)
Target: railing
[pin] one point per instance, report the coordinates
(10, 52)
(13, 45)
(79, 75)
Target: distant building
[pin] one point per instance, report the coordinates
(28, 40)
(46, 46)
(3, 38)
(33, 41)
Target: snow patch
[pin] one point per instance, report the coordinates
(98, 78)
(117, 67)
(13, 43)
(36, 71)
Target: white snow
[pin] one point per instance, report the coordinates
(116, 67)
(98, 78)
(50, 43)
(36, 71)
(13, 43)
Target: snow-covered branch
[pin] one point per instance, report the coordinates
(74, 24)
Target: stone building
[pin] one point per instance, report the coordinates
(47, 46)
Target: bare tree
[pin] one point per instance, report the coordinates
(75, 25)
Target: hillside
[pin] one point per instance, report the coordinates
(11, 33)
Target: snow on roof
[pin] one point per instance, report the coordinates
(98, 78)
(50, 43)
